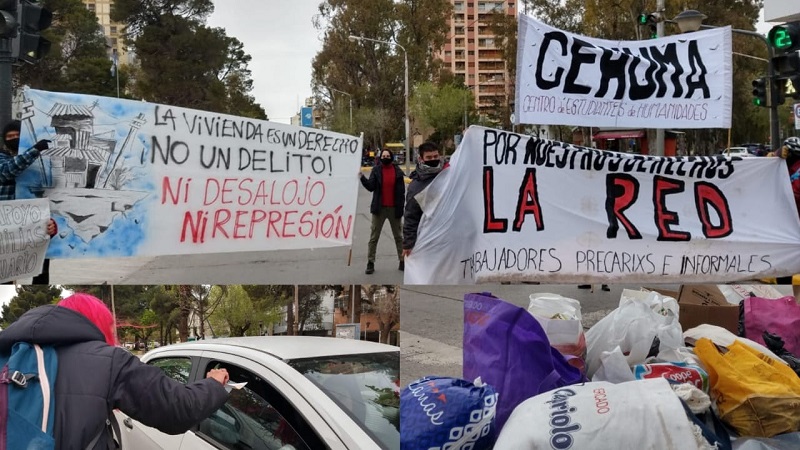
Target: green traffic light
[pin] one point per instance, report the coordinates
(757, 102)
(781, 39)
(642, 19)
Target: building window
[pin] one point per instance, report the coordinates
(459, 7)
(91, 7)
(113, 42)
(460, 42)
(459, 30)
(113, 29)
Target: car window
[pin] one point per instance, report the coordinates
(366, 387)
(257, 417)
(176, 368)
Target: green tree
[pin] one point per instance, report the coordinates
(442, 108)
(78, 60)
(385, 303)
(373, 73)
(185, 63)
(27, 298)
(236, 311)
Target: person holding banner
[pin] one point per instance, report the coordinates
(791, 153)
(388, 187)
(13, 163)
(428, 166)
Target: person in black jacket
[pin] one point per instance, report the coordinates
(428, 166)
(95, 377)
(388, 187)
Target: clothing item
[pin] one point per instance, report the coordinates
(413, 213)
(94, 378)
(44, 277)
(374, 184)
(375, 232)
(388, 181)
(10, 167)
(794, 176)
(370, 268)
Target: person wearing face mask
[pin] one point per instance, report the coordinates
(388, 187)
(428, 166)
(13, 163)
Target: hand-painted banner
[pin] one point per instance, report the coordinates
(682, 81)
(128, 178)
(23, 238)
(516, 208)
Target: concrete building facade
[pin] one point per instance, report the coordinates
(114, 31)
(470, 52)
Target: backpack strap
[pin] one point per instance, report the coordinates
(44, 383)
(112, 426)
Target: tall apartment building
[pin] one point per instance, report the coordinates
(113, 31)
(470, 52)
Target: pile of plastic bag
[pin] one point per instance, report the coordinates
(633, 380)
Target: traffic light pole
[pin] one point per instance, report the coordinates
(774, 124)
(5, 81)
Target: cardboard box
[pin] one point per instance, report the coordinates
(705, 303)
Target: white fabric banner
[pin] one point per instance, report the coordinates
(128, 178)
(23, 238)
(682, 81)
(516, 208)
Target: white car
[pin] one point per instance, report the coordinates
(737, 151)
(302, 393)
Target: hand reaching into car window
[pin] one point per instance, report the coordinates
(220, 375)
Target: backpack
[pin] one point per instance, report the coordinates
(27, 400)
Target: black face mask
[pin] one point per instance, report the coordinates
(432, 163)
(386, 161)
(12, 144)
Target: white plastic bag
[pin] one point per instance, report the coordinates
(613, 368)
(642, 414)
(639, 319)
(560, 318)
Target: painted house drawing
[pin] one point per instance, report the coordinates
(87, 179)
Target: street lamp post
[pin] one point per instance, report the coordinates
(691, 20)
(405, 57)
(351, 105)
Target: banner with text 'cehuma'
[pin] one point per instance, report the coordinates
(516, 208)
(128, 178)
(682, 81)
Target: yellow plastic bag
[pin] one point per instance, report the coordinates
(755, 394)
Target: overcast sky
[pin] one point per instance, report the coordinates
(281, 38)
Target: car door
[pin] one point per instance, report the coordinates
(257, 416)
(135, 435)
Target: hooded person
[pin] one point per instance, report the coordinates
(95, 377)
(428, 166)
(12, 162)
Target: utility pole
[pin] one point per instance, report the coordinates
(659, 150)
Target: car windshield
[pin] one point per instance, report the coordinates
(367, 387)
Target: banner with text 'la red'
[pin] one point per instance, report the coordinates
(516, 208)
(128, 178)
(682, 81)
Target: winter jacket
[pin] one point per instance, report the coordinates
(95, 378)
(374, 184)
(413, 212)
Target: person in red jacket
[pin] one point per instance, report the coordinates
(388, 187)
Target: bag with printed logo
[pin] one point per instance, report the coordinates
(507, 348)
(639, 414)
(447, 413)
(677, 372)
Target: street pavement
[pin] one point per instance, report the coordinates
(432, 327)
(318, 266)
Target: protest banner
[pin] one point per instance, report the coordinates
(516, 208)
(682, 81)
(23, 238)
(128, 178)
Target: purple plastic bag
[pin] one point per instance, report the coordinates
(779, 316)
(509, 350)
